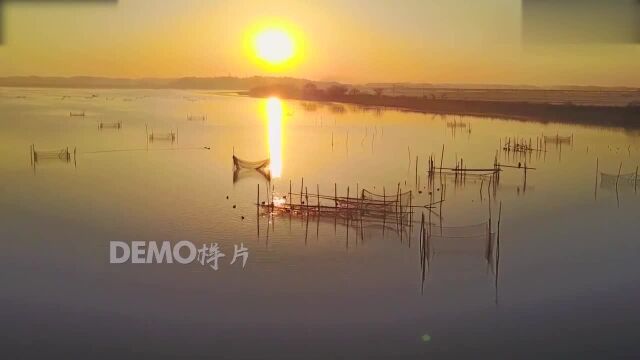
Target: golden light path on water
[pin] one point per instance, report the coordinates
(274, 118)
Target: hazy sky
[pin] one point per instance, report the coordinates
(452, 41)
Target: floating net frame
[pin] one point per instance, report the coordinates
(163, 136)
(63, 155)
(457, 124)
(110, 125)
(367, 207)
(78, 114)
(191, 117)
(557, 139)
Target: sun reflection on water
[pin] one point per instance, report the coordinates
(274, 117)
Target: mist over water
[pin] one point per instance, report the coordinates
(567, 280)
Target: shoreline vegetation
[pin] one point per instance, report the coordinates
(569, 113)
(586, 105)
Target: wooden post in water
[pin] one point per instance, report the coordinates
(635, 182)
(318, 197)
(258, 198)
(335, 194)
(301, 189)
(618, 178)
(290, 202)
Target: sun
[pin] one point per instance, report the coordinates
(275, 46)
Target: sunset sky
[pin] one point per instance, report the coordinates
(437, 41)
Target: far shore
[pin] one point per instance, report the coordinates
(627, 117)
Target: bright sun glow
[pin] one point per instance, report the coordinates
(274, 46)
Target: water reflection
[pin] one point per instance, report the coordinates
(554, 265)
(274, 117)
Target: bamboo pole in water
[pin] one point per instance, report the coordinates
(301, 189)
(490, 224)
(318, 194)
(618, 178)
(498, 252)
(635, 183)
(347, 197)
(384, 204)
(397, 197)
(335, 194)
(411, 209)
(595, 191)
(499, 219)
(416, 170)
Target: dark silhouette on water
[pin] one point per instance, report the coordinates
(618, 116)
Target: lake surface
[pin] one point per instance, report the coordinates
(566, 285)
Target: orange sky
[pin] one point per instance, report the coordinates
(438, 41)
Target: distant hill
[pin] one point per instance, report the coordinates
(210, 83)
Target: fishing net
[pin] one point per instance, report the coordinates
(62, 154)
(255, 165)
(401, 198)
(557, 139)
(113, 125)
(466, 231)
(471, 239)
(162, 136)
(610, 179)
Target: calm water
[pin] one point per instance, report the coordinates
(567, 284)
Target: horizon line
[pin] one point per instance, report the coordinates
(369, 83)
